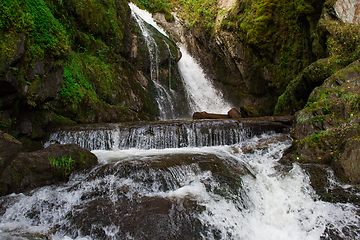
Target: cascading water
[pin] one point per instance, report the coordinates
(164, 97)
(181, 180)
(160, 135)
(201, 93)
(234, 191)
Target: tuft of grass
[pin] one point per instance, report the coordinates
(65, 163)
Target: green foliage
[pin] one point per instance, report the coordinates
(86, 75)
(154, 6)
(33, 17)
(13, 17)
(101, 18)
(66, 164)
(75, 84)
(47, 34)
(199, 13)
(343, 41)
(277, 32)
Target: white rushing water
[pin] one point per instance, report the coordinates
(202, 94)
(267, 204)
(164, 97)
(156, 135)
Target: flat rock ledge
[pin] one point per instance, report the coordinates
(35, 169)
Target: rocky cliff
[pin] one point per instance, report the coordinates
(74, 62)
(326, 130)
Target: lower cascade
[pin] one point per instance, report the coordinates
(230, 188)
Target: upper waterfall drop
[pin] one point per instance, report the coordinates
(147, 17)
(201, 93)
(164, 97)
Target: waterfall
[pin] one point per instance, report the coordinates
(201, 93)
(216, 179)
(164, 97)
(161, 135)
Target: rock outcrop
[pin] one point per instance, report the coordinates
(327, 129)
(51, 165)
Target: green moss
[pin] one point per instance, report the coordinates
(48, 35)
(157, 6)
(61, 120)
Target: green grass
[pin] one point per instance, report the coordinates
(64, 163)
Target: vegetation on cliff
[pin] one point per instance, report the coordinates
(70, 62)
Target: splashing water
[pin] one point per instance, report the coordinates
(191, 193)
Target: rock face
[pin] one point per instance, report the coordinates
(327, 130)
(226, 60)
(9, 149)
(35, 169)
(348, 11)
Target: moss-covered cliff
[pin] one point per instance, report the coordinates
(258, 51)
(72, 62)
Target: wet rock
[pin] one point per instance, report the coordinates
(35, 169)
(247, 111)
(9, 149)
(234, 113)
(145, 218)
(142, 213)
(350, 159)
(327, 188)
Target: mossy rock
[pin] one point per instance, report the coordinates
(36, 169)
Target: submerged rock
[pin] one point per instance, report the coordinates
(43, 167)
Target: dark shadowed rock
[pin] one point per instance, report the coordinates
(34, 169)
(9, 149)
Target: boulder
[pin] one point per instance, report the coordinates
(234, 113)
(9, 149)
(50, 165)
(350, 160)
(348, 11)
